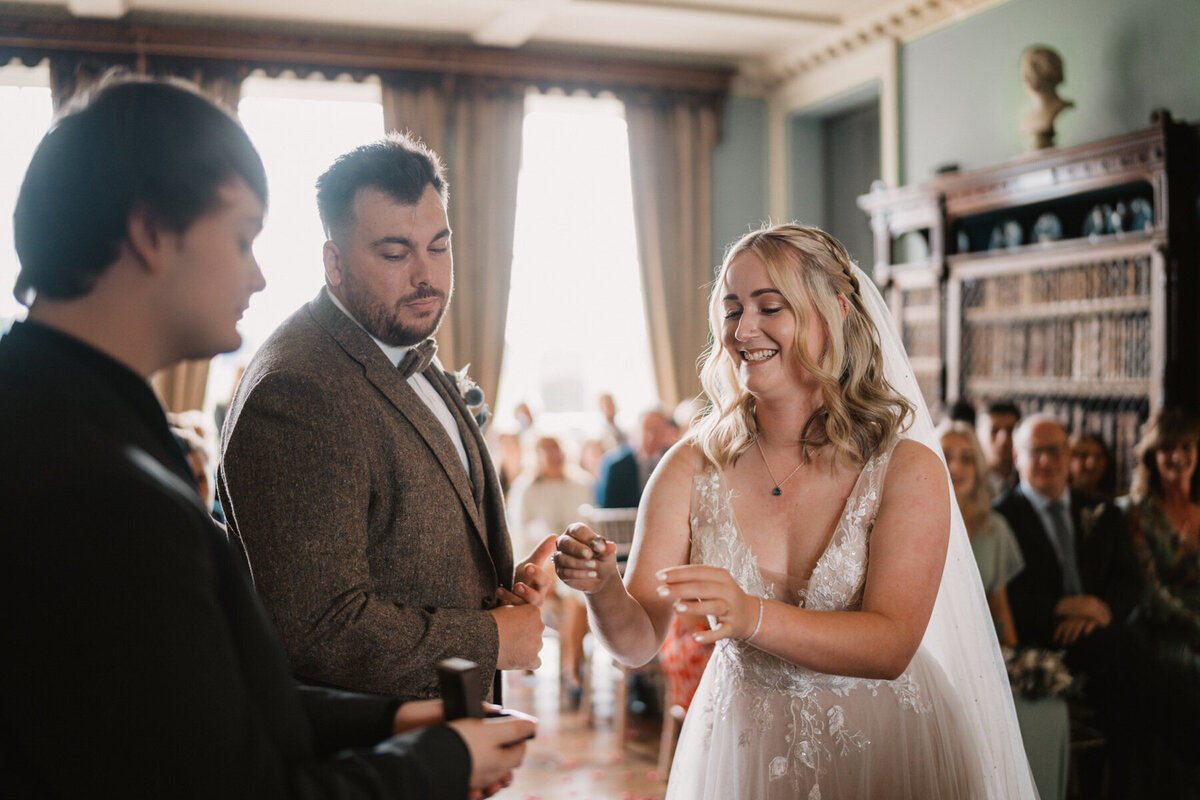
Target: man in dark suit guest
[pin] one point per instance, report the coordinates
(137, 661)
(624, 470)
(1001, 420)
(354, 475)
(1080, 581)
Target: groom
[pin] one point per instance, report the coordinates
(353, 474)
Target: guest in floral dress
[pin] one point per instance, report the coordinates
(1163, 508)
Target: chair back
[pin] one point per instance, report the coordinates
(614, 524)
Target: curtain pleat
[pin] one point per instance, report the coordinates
(476, 128)
(671, 141)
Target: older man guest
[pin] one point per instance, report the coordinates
(354, 475)
(1081, 580)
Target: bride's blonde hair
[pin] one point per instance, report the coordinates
(861, 411)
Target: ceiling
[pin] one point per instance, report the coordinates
(758, 36)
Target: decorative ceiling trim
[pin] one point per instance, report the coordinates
(901, 21)
(32, 39)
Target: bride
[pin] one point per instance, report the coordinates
(809, 517)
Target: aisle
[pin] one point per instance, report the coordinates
(572, 760)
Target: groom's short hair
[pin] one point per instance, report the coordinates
(399, 165)
(136, 143)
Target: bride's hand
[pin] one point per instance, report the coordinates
(580, 564)
(710, 591)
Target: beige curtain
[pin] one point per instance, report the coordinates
(476, 128)
(419, 107)
(670, 151)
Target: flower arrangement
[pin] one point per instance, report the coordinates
(1037, 673)
(472, 396)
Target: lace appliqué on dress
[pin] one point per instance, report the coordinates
(819, 728)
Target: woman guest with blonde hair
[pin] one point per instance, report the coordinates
(996, 551)
(809, 517)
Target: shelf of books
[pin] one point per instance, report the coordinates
(1064, 280)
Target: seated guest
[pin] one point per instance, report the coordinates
(1000, 420)
(625, 469)
(1080, 581)
(1091, 465)
(1163, 508)
(543, 502)
(195, 450)
(137, 660)
(964, 411)
(995, 548)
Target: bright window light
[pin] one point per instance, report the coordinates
(25, 100)
(576, 328)
(299, 128)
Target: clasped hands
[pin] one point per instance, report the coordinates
(1079, 614)
(587, 562)
(519, 620)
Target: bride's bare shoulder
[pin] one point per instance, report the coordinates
(679, 465)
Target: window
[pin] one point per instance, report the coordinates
(576, 326)
(25, 98)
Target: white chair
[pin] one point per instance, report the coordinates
(614, 524)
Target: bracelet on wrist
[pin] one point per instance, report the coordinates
(758, 624)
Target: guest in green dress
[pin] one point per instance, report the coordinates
(1044, 722)
(992, 541)
(1163, 509)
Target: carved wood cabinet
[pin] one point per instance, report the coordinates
(1065, 279)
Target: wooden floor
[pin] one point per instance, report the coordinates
(574, 757)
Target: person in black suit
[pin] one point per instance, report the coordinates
(137, 660)
(624, 470)
(1080, 583)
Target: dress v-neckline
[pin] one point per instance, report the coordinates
(838, 531)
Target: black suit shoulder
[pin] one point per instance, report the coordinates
(137, 661)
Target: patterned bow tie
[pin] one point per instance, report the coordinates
(417, 359)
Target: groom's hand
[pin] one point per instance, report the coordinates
(520, 630)
(533, 577)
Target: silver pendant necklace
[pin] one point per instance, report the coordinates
(778, 490)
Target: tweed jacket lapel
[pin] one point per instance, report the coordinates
(378, 371)
(467, 428)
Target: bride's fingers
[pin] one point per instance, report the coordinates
(692, 572)
(703, 590)
(723, 631)
(718, 607)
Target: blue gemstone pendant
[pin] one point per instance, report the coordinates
(776, 491)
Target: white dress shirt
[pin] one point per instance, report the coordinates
(420, 385)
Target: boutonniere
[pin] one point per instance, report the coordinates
(1088, 516)
(471, 395)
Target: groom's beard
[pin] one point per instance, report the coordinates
(387, 324)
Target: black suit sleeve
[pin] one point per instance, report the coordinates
(1035, 590)
(1119, 582)
(138, 663)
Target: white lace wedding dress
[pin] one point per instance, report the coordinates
(762, 728)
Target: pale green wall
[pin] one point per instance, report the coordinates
(961, 95)
(739, 172)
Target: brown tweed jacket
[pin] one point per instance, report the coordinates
(374, 551)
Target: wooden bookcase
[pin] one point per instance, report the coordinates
(1097, 324)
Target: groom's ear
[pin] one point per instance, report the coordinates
(331, 256)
